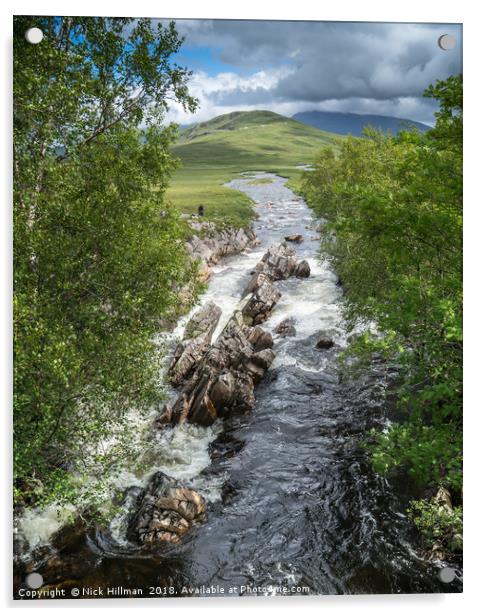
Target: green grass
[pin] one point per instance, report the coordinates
(259, 181)
(214, 152)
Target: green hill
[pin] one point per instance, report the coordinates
(214, 152)
(233, 121)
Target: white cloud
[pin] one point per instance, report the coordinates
(208, 89)
(355, 67)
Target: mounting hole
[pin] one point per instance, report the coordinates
(34, 35)
(446, 42)
(447, 575)
(34, 580)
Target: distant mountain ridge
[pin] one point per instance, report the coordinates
(353, 123)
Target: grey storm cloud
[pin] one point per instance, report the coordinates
(330, 61)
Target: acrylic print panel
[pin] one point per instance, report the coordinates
(237, 308)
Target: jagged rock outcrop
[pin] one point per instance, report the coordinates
(195, 342)
(210, 244)
(218, 380)
(261, 302)
(165, 512)
(224, 380)
(278, 263)
(256, 281)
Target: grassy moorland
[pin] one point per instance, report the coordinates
(214, 152)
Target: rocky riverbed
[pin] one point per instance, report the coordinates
(210, 244)
(258, 478)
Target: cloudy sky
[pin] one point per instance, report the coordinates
(299, 66)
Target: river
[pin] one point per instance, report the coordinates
(292, 499)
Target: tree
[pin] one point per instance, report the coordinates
(394, 210)
(99, 255)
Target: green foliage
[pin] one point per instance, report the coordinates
(429, 453)
(261, 181)
(439, 525)
(193, 186)
(394, 233)
(99, 254)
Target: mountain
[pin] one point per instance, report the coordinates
(250, 141)
(353, 123)
(214, 152)
(234, 123)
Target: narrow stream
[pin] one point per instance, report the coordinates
(293, 501)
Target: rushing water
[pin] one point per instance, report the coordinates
(293, 501)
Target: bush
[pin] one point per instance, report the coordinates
(394, 233)
(439, 526)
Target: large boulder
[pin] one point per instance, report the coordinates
(256, 281)
(260, 339)
(303, 269)
(165, 512)
(279, 262)
(202, 321)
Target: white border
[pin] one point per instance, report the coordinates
(349, 10)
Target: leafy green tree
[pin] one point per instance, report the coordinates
(99, 258)
(394, 212)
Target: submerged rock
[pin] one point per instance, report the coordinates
(296, 238)
(165, 512)
(303, 269)
(65, 557)
(324, 342)
(286, 328)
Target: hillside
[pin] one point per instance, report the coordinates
(353, 123)
(214, 152)
(232, 121)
